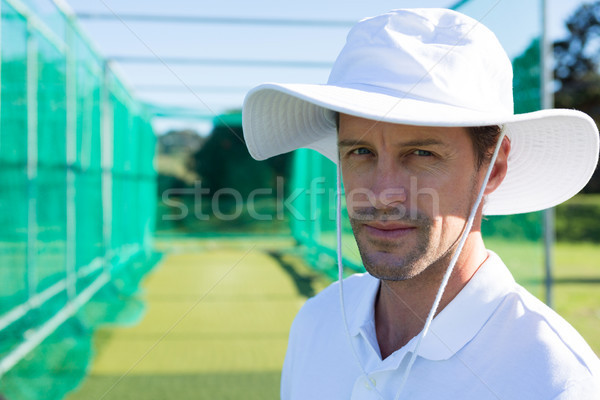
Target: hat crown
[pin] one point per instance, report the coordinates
(435, 55)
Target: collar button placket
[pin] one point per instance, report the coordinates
(364, 389)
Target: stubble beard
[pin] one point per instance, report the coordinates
(394, 260)
(412, 261)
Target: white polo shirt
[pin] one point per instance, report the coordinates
(493, 341)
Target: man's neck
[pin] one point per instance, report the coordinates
(401, 307)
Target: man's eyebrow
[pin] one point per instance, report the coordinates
(352, 142)
(421, 142)
(410, 143)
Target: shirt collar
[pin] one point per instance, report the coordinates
(456, 324)
(466, 314)
(361, 313)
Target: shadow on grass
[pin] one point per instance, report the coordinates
(576, 280)
(304, 283)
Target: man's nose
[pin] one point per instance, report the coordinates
(388, 188)
(389, 197)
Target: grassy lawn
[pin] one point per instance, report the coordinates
(216, 326)
(577, 288)
(213, 334)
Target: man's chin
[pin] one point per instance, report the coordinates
(390, 278)
(390, 268)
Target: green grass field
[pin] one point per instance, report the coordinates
(219, 312)
(216, 326)
(577, 288)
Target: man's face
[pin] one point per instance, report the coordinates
(409, 190)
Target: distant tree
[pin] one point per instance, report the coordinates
(172, 162)
(577, 58)
(179, 141)
(224, 162)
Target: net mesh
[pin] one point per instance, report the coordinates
(77, 190)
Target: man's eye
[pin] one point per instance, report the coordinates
(422, 153)
(361, 151)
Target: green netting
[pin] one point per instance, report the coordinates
(13, 117)
(89, 234)
(77, 189)
(14, 186)
(13, 237)
(517, 238)
(54, 20)
(89, 86)
(51, 103)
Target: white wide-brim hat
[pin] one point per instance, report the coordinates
(430, 67)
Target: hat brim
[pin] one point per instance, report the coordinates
(553, 152)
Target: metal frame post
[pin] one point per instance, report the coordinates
(107, 157)
(547, 101)
(71, 159)
(32, 162)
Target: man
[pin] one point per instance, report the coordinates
(418, 115)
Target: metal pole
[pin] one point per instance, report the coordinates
(106, 149)
(547, 101)
(200, 20)
(1, 13)
(32, 164)
(71, 136)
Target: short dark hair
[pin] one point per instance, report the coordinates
(484, 139)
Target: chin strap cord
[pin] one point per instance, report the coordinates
(455, 256)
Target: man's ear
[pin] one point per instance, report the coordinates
(500, 167)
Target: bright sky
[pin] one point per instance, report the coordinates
(213, 89)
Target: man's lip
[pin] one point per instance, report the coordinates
(388, 231)
(389, 225)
